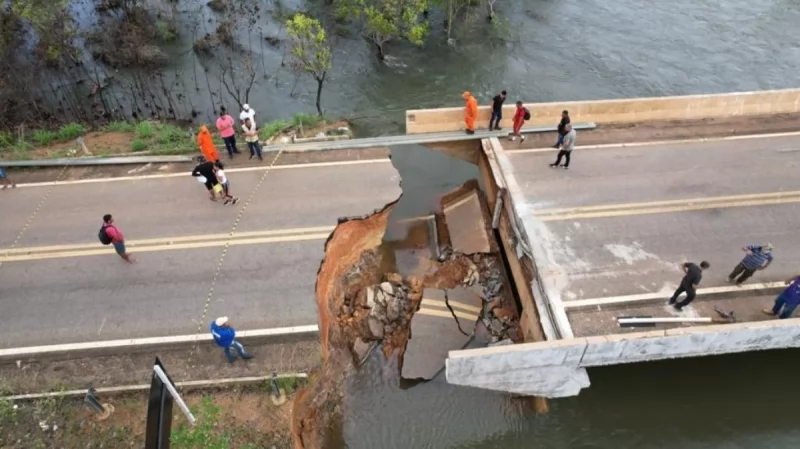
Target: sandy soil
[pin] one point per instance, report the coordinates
(204, 362)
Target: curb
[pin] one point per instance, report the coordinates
(711, 293)
(185, 386)
(139, 345)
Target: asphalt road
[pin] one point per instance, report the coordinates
(620, 220)
(82, 296)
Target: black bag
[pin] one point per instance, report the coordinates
(103, 236)
(527, 115)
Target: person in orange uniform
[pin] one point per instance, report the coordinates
(206, 144)
(471, 112)
(519, 119)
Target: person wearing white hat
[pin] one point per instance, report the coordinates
(247, 113)
(225, 337)
(757, 258)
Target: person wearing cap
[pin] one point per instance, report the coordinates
(757, 258)
(470, 111)
(225, 337)
(787, 301)
(247, 113)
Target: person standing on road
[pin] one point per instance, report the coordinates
(691, 279)
(757, 258)
(566, 150)
(206, 144)
(111, 235)
(251, 137)
(247, 113)
(470, 111)
(225, 337)
(219, 171)
(225, 126)
(519, 120)
(562, 128)
(205, 174)
(497, 111)
(6, 179)
(787, 301)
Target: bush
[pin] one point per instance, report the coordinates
(6, 140)
(119, 127)
(171, 134)
(43, 138)
(71, 131)
(306, 120)
(139, 145)
(273, 128)
(145, 130)
(166, 31)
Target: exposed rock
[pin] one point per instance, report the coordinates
(387, 288)
(505, 342)
(370, 297)
(361, 349)
(504, 313)
(375, 327)
(395, 278)
(493, 304)
(393, 310)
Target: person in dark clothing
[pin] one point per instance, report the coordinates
(562, 128)
(689, 284)
(205, 173)
(497, 111)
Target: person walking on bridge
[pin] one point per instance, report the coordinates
(691, 280)
(562, 128)
(566, 150)
(470, 111)
(206, 144)
(787, 301)
(497, 111)
(111, 235)
(519, 120)
(757, 258)
(225, 337)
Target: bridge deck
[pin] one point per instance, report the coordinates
(620, 221)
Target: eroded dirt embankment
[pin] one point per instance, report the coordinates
(364, 305)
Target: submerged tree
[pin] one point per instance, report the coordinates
(310, 50)
(384, 20)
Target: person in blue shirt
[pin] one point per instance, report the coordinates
(787, 301)
(225, 337)
(758, 257)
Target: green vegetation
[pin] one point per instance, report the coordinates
(203, 435)
(7, 411)
(385, 20)
(145, 130)
(119, 127)
(138, 145)
(44, 138)
(71, 131)
(166, 31)
(311, 52)
(272, 129)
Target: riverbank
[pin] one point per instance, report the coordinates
(232, 417)
(146, 138)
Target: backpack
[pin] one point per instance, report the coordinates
(527, 115)
(103, 236)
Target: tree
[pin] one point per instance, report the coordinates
(310, 50)
(384, 20)
(450, 8)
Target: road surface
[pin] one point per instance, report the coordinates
(60, 285)
(621, 220)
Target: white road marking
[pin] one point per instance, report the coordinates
(150, 341)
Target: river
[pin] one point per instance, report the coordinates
(557, 50)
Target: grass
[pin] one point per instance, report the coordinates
(306, 120)
(299, 120)
(166, 32)
(7, 411)
(271, 129)
(145, 130)
(44, 138)
(138, 145)
(71, 131)
(204, 434)
(119, 127)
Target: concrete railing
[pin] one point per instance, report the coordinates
(556, 368)
(632, 110)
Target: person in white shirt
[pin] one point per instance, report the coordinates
(251, 137)
(219, 172)
(247, 113)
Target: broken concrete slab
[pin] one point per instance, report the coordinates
(432, 338)
(467, 223)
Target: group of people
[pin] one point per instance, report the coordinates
(226, 126)
(757, 258)
(566, 134)
(212, 175)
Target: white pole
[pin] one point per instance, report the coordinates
(622, 321)
(182, 405)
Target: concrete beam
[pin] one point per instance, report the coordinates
(630, 110)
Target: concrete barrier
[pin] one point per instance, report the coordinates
(632, 110)
(554, 368)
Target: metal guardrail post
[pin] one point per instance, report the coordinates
(103, 411)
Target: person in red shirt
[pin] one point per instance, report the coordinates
(519, 119)
(117, 239)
